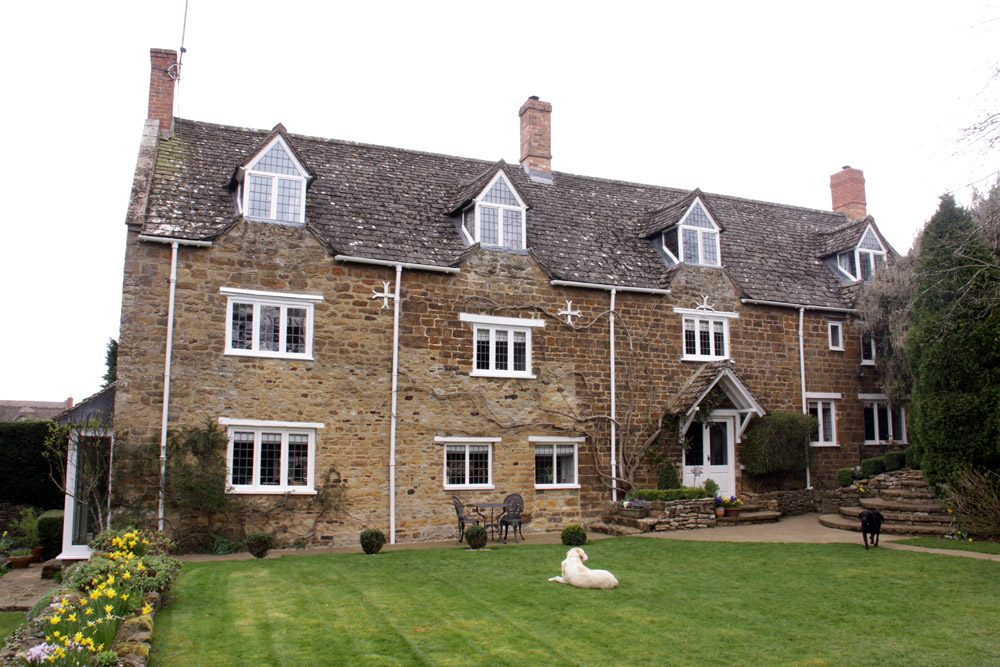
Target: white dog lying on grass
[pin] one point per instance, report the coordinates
(575, 573)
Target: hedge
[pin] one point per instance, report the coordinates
(894, 461)
(50, 533)
(873, 466)
(683, 493)
(24, 470)
(777, 442)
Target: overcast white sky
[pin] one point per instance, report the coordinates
(756, 99)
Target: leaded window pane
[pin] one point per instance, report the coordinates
(520, 351)
(718, 332)
(704, 339)
(489, 222)
(270, 459)
(500, 194)
(298, 459)
(455, 464)
(867, 348)
(898, 424)
(289, 200)
(690, 238)
(710, 256)
(483, 349)
(270, 328)
(867, 266)
(502, 352)
(870, 242)
(697, 217)
(295, 330)
(694, 455)
(827, 421)
(870, 422)
(814, 411)
(565, 470)
(690, 341)
(883, 421)
(479, 464)
(242, 334)
(259, 200)
(544, 470)
(846, 261)
(276, 161)
(469, 220)
(512, 229)
(243, 443)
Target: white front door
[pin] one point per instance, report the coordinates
(711, 455)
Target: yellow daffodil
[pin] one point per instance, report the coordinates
(147, 610)
(108, 608)
(71, 618)
(55, 620)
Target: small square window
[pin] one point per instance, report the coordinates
(825, 414)
(502, 345)
(271, 457)
(266, 324)
(867, 350)
(468, 464)
(705, 338)
(556, 462)
(836, 330)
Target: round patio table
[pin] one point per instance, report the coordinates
(492, 507)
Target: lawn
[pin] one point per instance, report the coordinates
(959, 545)
(679, 603)
(9, 620)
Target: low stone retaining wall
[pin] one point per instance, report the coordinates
(789, 503)
(682, 514)
(849, 496)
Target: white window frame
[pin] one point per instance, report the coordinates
(870, 345)
(257, 299)
(874, 400)
(858, 251)
(510, 325)
(453, 441)
(249, 170)
(554, 441)
(821, 399)
(699, 260)
(479, 204)
(710, 316)
(832, 326)
(258, 427)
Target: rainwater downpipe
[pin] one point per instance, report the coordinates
(614, 430)
(174, 244)
(395, 394)
(802, 378)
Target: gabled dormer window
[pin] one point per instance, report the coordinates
(695, 239)
(859, 263)
(274, 185)
(497, 216)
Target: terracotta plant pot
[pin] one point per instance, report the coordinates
(36, 554)
(20, 562)
(733, 512)
(635, 514)
(720, 512)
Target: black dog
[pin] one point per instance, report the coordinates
(871, 527)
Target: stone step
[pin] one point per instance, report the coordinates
(748, 517)
(907, 518)
(843, 523)
(910, 493)
(616, 529)
(901, 505)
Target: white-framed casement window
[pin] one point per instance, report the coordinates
(705, 334)
(556, 462)
(859, 263)
(501, 345)
(269, 457)
(867, 350)
(823, 406)
(497, 217)
(884, 422)
(269, 324)
(695, 240)
(274, 186)
(836, 335)
(468, 462)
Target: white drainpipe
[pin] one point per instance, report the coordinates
(802, 378)
(395, 393)
(614, 429)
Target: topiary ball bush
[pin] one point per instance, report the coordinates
(372, 540)
(574, 536)
(476, 537)
(258, 544)
(873, 466)
(894, 461)
(711, 488)
(845, 476)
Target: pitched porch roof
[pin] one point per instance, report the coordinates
(706, 377)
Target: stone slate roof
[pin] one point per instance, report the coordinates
(699, 382)
(396, 205)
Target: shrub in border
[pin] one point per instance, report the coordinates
(476, 536)
(894, 460)
(50, 529)
(845, 476)
(873, 466)
(668, 476)
(372, 541)
(258, 544)
(574, 535)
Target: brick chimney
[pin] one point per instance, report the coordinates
(536, 136)
(847, 188)
(162, 77)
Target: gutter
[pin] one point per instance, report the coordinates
(798, 306)
(174, 243)
(640, 290)
(399, 266)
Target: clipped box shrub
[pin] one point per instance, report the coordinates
(668, 476)
(574, 535)
(372, 540)
(476, 537)
(664, 495)
(894, 461)
(845, 476)
(258, 544)
(873, 466)
(50, 529)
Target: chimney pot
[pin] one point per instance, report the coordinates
(536, 135)
(847, 190)
(162, 77)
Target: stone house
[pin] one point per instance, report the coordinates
(411, 326)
